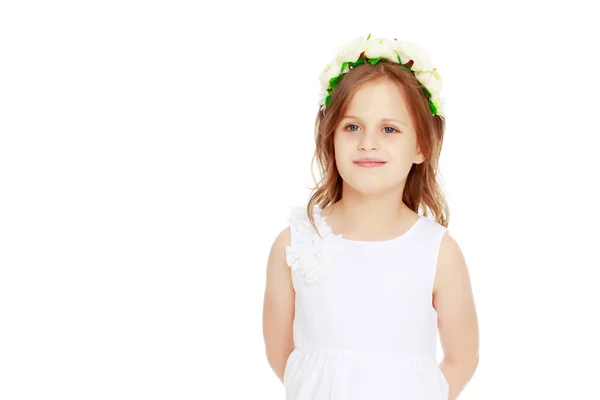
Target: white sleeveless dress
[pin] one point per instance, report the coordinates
(364, 325)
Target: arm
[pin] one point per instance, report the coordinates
(278, 308)
(457, 317)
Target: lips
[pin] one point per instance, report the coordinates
(369, 162)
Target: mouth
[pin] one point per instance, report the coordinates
(369, 163)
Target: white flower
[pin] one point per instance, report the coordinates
(313, 275)
(439, 104)
(381, 48)
(431, 80)
(323, 95)
(351, 50)
(411, 51)
(309, 255)
(331, 71)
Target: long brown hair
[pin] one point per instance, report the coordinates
(422, 189)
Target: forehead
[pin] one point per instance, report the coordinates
(379, 99)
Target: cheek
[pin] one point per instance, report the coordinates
(405, 148)
(404, 152)
(341, 146)
(344, 151)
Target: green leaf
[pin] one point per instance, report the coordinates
(344, 66)
(333, 82)
(358, 62)
(374, 61)
(398, 55)
(407, 68)
(328, 99)
(368, 36)
(427, 92)
(433, 108)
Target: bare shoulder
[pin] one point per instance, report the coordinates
(451, 255)
(279, 289)
(283, 238)
(278, 305)
(278, 272)
(277, 252)
(452, 266)
(454, 302)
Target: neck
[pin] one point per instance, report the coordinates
(372, 210)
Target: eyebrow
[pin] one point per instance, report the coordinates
(383, 119)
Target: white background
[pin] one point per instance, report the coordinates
(150, 151)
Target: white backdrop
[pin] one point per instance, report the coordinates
(150, 151)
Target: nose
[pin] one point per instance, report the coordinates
(367, 142)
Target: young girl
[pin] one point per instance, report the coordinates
(359, 281)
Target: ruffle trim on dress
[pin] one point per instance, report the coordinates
(309, 254)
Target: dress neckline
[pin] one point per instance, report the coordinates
(341, 237)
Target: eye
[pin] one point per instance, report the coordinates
(393, 130)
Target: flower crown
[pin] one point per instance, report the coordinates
(359, 51)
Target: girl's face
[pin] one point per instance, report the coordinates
(377, 124)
